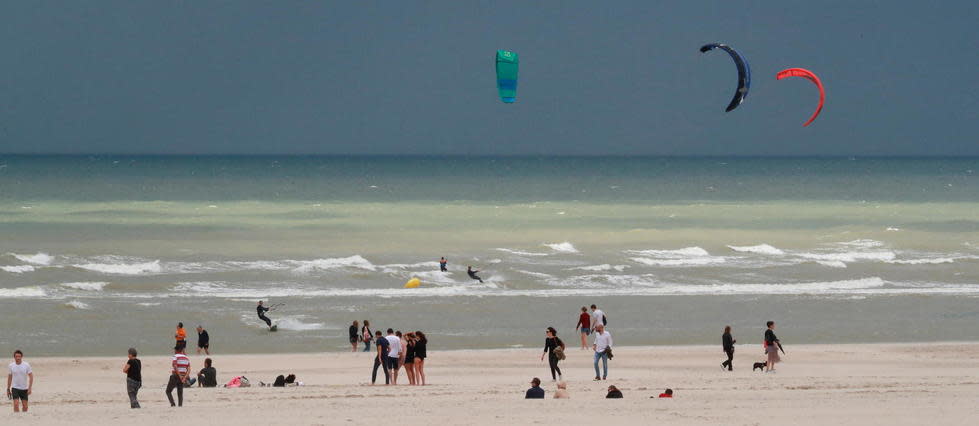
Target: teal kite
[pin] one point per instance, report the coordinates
(507, 65)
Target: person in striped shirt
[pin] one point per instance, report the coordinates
(178, 376)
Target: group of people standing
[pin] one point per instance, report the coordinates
(394, 352)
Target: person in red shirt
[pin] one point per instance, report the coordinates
(667, 394)
(584, 324)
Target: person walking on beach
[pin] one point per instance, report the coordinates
(535, 391)
(354, 334)
(134, 377)
(551, 345)
(472, 273)
(180, 368)
(261, 314)
(443, 265)
(208, 376)
(727, 343)
(602, 347)
(772, 346)
(181, 336)
(421, 352)
(393, 355)
(584, 325)
(203, 340)
(367, 337)
(597, 317)
(20, 381)
(381, 359)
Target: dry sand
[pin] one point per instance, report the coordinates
(893, 384)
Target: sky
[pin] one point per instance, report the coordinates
(418, 78)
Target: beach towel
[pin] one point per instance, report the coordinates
(238, 382)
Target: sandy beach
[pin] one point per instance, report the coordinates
(892, 384)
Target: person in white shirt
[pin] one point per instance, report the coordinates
(603, 341)
(20, 381)
(178, 377)
(394, 355)
(597, 317)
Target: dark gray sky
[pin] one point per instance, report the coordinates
(617, 77)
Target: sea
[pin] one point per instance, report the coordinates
(102, 253)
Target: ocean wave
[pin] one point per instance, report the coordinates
(87, 286)
(931, 260)
(535, 274)
(18, 269)
(850, 256)
(42, 259)
(521, 253)
(123, 268)
(295, 324)
(863, 243)
(759, 249)
(687, 256)
(334, 263)
(832, 263)
(32, 291)
(564, 247)
(600, 268)
(697, 261)
(74, 304)
(673, 254)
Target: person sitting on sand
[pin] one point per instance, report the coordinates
(613, 392)
(562, 391)
(208, 376)
(472, 273)
(667, 394)
(535, 391)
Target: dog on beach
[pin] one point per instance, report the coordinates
(758, 366)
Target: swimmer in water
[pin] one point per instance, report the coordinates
(472, 274)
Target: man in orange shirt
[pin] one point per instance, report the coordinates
(181, 336)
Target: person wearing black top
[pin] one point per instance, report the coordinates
(772, 346)
(134, 377)
(379, 360)
(421, 352)
(354, 336)
(472, 274)
(551, 343)
(727, 342)
(535, 391)
(261, 314)
(203, 340)
(208, 376)
(613, 392)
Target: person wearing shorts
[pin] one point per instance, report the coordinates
(20, 381)
(584, 324)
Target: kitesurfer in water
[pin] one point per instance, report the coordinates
(261, 314)
(472, 274)
(442, 264)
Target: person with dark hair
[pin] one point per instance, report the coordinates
(393, 355)
(181, 336)
(208, 376)
(613, 392)
(203, 340)
(772, 346)
(381, 359)
(134, 377)
(727, 343)
(443, 264)
(552, 343)
(354, 334)
(668, 393)
(584, 324)
(421, 352)
(180, 370)
(472, 273)
(535, 391)
(597, 317)
(20, 381)
(409, 362)
(366, 336)
(602, 347)
(261, 314)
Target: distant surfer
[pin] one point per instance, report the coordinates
(261, 314)
(472, 273)
(443, 265)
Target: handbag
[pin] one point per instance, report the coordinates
(608, 352)
(559, 353)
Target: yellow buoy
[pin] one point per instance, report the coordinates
(413, 283)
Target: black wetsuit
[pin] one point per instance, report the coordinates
(728, 343)
(550, 344)
(472, 274)
(261, 315)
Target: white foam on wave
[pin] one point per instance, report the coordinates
(74, 304)
(43, 259)
(601, 268)
(564, 247)
(296, 324)
(521, 253)
(832, 263)
(535, 274)
(18, 269)
(759, 249)
(87, 286)
(931, 260)
(673, 254)
(32, 291)
(851, 256)
(329, 264)
(149, 304)
(687, 256)
(863, 243)
(123, 268)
